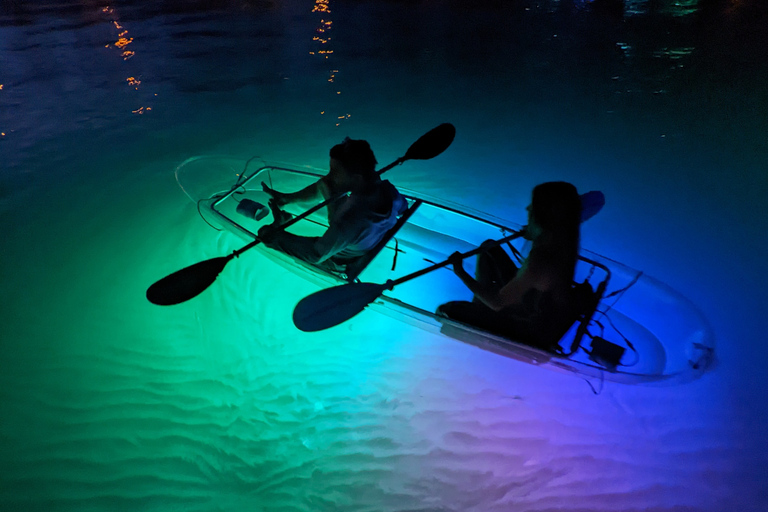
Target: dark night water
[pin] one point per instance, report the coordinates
(110, 403)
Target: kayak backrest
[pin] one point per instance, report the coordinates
(354, 269)
(587, 299)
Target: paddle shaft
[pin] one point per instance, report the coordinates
(312, 210)
(423, 149)
(332, 306)
(391, 284)
(190, 281)
(593, 201)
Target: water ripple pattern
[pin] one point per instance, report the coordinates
(110, 403)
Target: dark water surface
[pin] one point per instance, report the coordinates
(110, 403)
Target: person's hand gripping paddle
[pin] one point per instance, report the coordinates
(330, 307)
(191, 281)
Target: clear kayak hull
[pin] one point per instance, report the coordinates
(663, 336)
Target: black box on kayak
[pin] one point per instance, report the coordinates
(606, 353)
(252, 209)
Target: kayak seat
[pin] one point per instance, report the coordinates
(585, 300)
(542, 327)
(545, 326)
(357, 266)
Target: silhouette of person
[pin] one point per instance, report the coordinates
(356, 222)
(532, 304)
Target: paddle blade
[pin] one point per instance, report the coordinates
(186, 283)
(591, 203)
(332, 306)
(432, 143)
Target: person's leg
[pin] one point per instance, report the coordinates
(472, 313)
(304, 248)
(279, 216)
(301, 247)
(507, 324)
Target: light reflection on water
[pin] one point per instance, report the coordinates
(109, 402)
(64, 70)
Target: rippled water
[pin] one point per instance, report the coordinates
(110, 403)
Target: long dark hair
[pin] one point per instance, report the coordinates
(556, 208)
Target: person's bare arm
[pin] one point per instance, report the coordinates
(314, 193)
(484, 292)
(510, 294)
(531, 275)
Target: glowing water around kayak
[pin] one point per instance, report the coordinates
(666, 338)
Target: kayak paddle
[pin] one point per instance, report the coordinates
(591, 203)
(191, 281)
(332, 306)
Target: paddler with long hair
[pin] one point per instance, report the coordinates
(532, 304)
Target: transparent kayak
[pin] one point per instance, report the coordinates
(641, 331)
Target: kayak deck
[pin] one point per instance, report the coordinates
(664, 337)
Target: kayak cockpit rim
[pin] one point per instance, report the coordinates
(665, 354)
(360, 265)
(423, 198)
